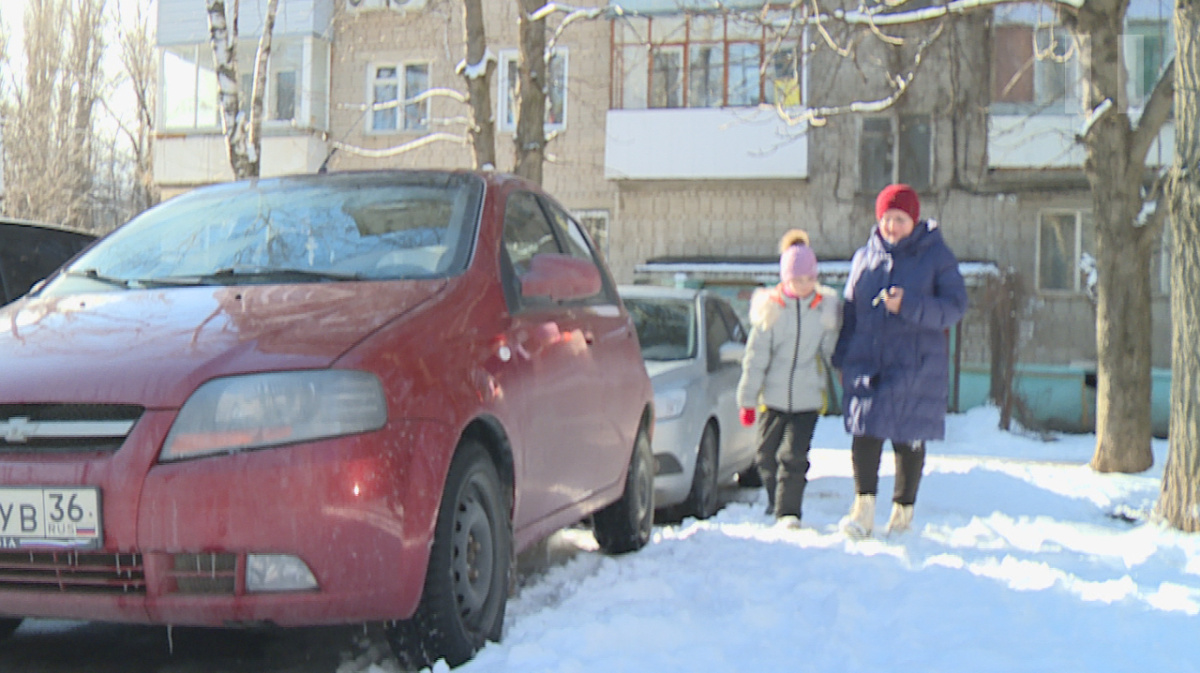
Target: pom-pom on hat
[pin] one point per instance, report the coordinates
(900, 197)
(796, 258)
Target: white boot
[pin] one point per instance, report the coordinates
(861, 520)
(901, 519)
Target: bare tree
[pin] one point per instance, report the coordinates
(477, 69)
(1116, 169)
(138, 58)
(242, 130)
(1179, 502)
(49, 134)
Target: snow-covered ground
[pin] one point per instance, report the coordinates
(1021, 559)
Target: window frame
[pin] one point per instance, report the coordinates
(1081, 220)
(635, 44)
(298, 53)
(896, 170)
(402, 107)
(506, 100)
(1034, 80)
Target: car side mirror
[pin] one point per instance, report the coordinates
(732, 351)
(560, 277)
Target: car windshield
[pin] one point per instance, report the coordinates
(370, 226)
(666, 327)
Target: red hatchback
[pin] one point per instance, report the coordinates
(319, 400)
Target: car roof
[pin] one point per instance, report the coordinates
(659, 291)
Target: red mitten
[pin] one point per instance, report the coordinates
(747, 416)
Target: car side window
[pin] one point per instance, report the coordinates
(575, 243)
(716, 332)
(527, 232)
(736, 330)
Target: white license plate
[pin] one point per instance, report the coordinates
(49, 517)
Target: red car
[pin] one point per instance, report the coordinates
(319, 400)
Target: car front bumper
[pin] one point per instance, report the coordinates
(675, 461)
(358, 511)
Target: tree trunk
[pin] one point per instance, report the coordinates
(254, 132)
(1179, 502)
(1122, 250)
(531, 93)
(223, 34)
(478, 70)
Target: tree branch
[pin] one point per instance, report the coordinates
(1154, 115)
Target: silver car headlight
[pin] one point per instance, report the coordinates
(669, 404)
(255, 411)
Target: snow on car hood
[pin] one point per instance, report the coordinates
(153, 347)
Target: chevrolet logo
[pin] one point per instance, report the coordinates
(18, 429)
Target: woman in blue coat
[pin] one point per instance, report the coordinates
(903, 293)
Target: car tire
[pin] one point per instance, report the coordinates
(702, 498)
(466, 585)
(625, 525)
(8, 625)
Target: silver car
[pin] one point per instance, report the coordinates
(692, 342)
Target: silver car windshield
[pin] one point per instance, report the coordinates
(317, 229)
(666, 327)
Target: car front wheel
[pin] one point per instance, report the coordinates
(625, 525)
(466, 585)
(702, 499)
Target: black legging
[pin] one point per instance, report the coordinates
(865, 453)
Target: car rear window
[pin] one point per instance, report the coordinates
(666, 327)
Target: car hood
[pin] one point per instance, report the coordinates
(154, 347)
(661, 370)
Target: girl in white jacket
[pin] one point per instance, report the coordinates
(794, 327)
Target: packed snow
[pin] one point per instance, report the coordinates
(1021, 559)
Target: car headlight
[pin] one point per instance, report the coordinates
(669, 404)
(256, 411)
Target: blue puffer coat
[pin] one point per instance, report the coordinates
(895, 367)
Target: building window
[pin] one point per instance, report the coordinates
(189, 88)
(1148, 47)
(386, 104)
(704, 60)
(190, 95)
(595, 222)
(556, 94)
(1064, 236)
(1035, 67)
(896, 150)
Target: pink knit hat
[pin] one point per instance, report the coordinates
(796, 261)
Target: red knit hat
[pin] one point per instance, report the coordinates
(900, 197)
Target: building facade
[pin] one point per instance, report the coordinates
(685, 138)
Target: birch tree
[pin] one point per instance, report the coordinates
(242, 129)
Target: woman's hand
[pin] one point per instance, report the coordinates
(895, 295)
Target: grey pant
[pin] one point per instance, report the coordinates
(784, 440)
